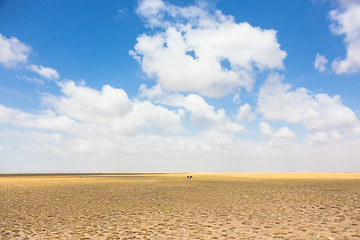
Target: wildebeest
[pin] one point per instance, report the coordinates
(188, 176)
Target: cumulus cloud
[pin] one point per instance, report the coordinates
(151, 8)
(283, 136)
(87, 104)
(320, 62)
(320, 138)
(46, 120)
(346, 22)
(112, 108)
(318, 112)
(193, 50)
(12, 51)
(356, 131)
(201, 113)
(85, 111)
(143, 131)
(155, 92)
(45, 72)
(204, 115)
(245, 113)
(149, 118)
(347, 3)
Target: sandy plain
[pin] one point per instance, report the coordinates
(170, 206)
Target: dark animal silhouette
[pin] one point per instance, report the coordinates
(188, 176)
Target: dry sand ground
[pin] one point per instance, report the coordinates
(170, 206)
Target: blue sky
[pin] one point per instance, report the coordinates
(179, 85)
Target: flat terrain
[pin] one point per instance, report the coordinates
(170, 206)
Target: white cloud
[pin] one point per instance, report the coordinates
(89, 105)
(283, 136)
(245, 113)
(205, 116)
(146, 117)
(356, 131)
(155, 92)
(83, 111)
(46, 120)
(347, 3)
(236, 98)
(206, 53)
(112, 108)
(318, 112)
(45, 72)
(12, 51)
(30, 79)
(320, 138)
(109, 152)
(201, 113)
(320, 62)
(347, 22)
(266, 129)
(150, 8)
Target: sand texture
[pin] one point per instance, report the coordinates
(170, 206)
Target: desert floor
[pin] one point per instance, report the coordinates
(170, 206)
